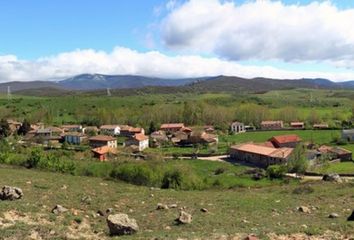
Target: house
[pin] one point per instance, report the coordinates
(139, 140)
(260, 155)
(49, 132)
(348, 135)
(237, 127)
(290, 141)
(272, 125)
(72, 128)
(201, 137)
(297, 125)
(158, 138)
(103, 140)
(321, 126)
(335, 153)
(129, 131)
(111, 130)
(172, 127)
(90, 130)
(102, 152)
(74, 138)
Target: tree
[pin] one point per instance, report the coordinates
(297, 162)
(25, 128)
(5, 130)
(152, 127)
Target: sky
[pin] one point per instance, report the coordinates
(51, 40)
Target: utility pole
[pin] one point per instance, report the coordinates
(109, 92)
(8, 93)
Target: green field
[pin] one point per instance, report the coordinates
(231, 213)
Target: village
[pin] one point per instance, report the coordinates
(106, 141)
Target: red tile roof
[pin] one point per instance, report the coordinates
(102, 138)
(171, 125)
(265, 151)
(286, 139)
(109, 126)
(103, 150)
(140, 137)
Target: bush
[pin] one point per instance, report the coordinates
(276, 171)
(172, 179)
(219, 171)
(34, 159)
(134, 173)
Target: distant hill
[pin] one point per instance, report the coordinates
(100, 81)
(129, 85)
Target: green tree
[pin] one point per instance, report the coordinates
(297, 162)
(152, 127)
(4, 128)
(25, 128)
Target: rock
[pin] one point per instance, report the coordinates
(251, 237)
(100, 213)
(11, 193)
(351, 217)
(64, 187)
(303, 209)
(59, 209)
(184, 218)
(173, 205)
(86, 200)
(332, 177)
(333, 215)
(109, 210)
(204, 210)
(161, 206)
(121, 224)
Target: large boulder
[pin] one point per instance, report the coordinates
(121, 224)
(11, 193)
(351, 217)
(59, 209)
(332, 177)
(184, 218)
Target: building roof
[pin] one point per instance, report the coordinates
(171, 125)
(109, 127)
(286, 139)
(56, 129)
(74, 134)
(263, 150)
(102, 138)
(237, 123)
(336, 150)
(125, 127)
(135, 130)
(103, 150)
(71, 126)
(296, 123)
(140, 137)
(271, 122)
(321, 125)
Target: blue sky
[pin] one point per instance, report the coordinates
(31, 30)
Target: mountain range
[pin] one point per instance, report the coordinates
(121, 83)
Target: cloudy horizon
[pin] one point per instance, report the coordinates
(196, 38)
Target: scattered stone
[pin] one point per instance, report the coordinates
(161, 206)
(168, 228)
(245, 221)
(29, 182)
(184, 218)
(251, 237)
(109, 210)
(64, 187)
(173, 205)
(303, 209)
(52, 232)
(100, 213)
(86, 200)
(151, 195)
(11, 193)
(59, 209)
(121, 224)
(351, 217)
(332, 177)
(333, 215)
(204, 210)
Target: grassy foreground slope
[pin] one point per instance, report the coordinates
(233, 212)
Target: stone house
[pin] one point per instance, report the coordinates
(238, 127)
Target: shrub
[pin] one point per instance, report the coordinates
(34, 159)
(276, 171)
(138, 174)
(172, 179)
(219, 171)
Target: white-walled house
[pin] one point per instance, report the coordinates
(111, 130)
(238, 127)
(139, 140)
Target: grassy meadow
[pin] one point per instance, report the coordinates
(232, 213)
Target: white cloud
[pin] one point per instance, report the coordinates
(262, 30)
(153, 63)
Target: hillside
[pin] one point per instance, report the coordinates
(232, 214)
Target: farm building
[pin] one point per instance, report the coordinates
(103, 140)
(336, 153)
(72, 128)
(237, 127)
(321, 126)
(285, 141)
(272, 125)
(139, 140)
(348, 135)
(297, 125)
(110, 130)
(102, 152)
(172, 127)
(129, 131)
(74, 138)
(260, 155)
